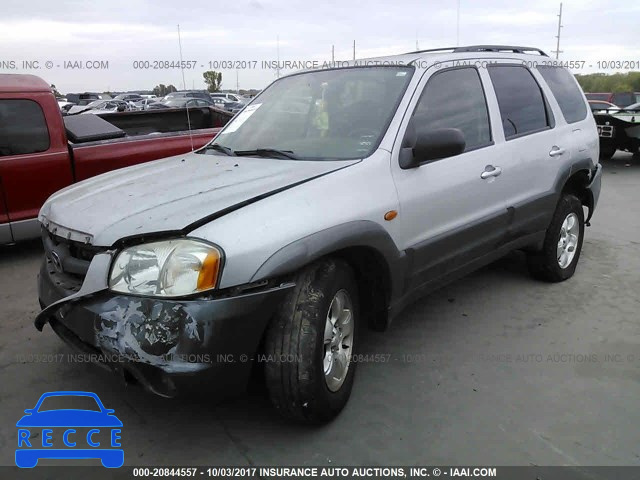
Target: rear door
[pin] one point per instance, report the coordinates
(451, 214)
(573, 121)
(34, 160)
(529, 147)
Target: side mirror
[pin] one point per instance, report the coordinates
(29, 411)
(421, 145)
(121, 108)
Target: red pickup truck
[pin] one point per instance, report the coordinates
(41, 151)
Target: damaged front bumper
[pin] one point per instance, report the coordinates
(166, 345)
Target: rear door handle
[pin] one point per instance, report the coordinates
(490, 171)
(556, 151)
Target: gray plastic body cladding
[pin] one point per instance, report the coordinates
(353, 234)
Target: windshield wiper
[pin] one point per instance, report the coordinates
(267, 152)
(219, 148)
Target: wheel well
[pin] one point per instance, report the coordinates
(374, 283)
(577, 185)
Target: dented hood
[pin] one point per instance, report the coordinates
(170, 194)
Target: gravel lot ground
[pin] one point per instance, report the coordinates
(495, 369)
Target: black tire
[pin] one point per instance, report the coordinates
(294, 345)
(543, 264)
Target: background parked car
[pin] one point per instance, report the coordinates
(597, 105)
(101, 106)
(188, 94)
(86, 97)
(188, 102)
(145, 103)
(64, 105)
(632, 108)
(622, 99)
(234, 97)
(129, 97)
(226, 104)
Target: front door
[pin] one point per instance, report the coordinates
(452, 210)
(34, 161)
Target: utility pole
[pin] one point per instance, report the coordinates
(458, 25)
(354, 50)
(557, 50)
(237, 83)
(333, 54)
(417, 46)
(278, 53)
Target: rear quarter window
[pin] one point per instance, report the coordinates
(566, 91)
(23, 129)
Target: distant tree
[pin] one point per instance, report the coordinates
(213, 80)
(616, 82)
(55, 91)
(162, 90)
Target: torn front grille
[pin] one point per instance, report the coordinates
(67, 261)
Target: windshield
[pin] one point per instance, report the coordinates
(330, 114)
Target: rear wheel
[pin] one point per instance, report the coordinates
(310, 343)
(559, 256)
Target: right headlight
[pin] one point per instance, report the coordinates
(170, 268)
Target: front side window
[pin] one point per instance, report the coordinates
(326, 114)
(455, 99)
(522, 106)
(23, 129)
(566, 91)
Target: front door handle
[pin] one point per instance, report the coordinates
(490, 171)
(556, 151)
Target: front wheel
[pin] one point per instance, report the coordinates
(311, 341)
(559, 256)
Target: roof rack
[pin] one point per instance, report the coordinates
(485, 48)
(499, 48)
(443, 49)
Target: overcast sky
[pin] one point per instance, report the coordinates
(122, 32)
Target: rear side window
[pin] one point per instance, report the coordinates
(455, 99)
(23, 129)
(566, 91)
(522, 106)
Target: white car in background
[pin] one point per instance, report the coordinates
(101, 106)
(233, 97)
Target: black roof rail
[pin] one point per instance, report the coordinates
(498, 48)
(443, 49)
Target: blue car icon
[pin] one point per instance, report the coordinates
(36, 431)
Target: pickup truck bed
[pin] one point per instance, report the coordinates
(42, 152)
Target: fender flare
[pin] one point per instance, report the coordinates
(361, 233)
(585, 165)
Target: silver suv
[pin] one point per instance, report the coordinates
(328, 204)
